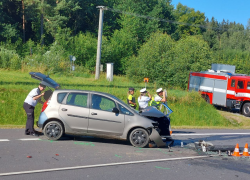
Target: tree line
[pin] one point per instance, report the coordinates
(147, 38)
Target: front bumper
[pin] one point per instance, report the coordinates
(155, 136)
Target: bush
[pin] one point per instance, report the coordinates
(85, 50)
(9, 59)
(168, 63)
(54, 60)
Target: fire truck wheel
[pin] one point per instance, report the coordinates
(207, 99)
(246, 109)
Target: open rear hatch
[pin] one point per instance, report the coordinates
(47, 81)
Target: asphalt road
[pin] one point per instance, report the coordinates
(94, 158)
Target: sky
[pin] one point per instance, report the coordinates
(232, 10)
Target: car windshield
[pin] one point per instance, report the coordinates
(124, 104)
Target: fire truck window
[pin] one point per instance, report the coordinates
(233, 83)
(248, 85)
(240, 85)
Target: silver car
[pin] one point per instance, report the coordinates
(82, 112)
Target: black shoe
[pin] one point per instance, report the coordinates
(34, 134)
(27, 133)
(38, 132)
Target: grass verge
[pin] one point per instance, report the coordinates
(190, 110)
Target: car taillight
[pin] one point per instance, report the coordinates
(45, 105)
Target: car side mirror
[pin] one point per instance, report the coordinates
(115, 110)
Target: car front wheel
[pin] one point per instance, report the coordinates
(53, 130)
(139, 138)
(246, 109)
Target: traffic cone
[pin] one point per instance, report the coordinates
(245, 152)
(236, 150)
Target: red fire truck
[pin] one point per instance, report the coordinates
(221, 86)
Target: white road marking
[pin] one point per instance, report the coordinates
(208, 134)
(4, 140)
(174, 134)
(102, 165)
(29, 139)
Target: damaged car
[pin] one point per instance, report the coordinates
(92, 113)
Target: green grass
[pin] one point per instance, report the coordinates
(190, 110)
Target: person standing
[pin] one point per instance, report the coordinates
(143, 99)
(159, 97)
(131, 98)
(29, 107)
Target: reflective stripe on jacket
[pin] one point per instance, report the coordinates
(153, 102)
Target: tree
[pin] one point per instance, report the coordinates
(153, 59)
(190, 21)
(9, 20)
(143, 17)
(211, 35)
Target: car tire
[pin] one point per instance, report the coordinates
(246, 109)
(53, 130)
(139, 138)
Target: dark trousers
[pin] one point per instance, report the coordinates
(30, 118)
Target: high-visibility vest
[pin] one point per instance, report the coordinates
(153, 102)
(131, 99)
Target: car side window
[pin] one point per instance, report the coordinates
(102, 103)
(124, 110)
(77, 99)
(233, 83)
(240, 85)
(60, 97)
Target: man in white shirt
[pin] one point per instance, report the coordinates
(29, 107)
(143, 99)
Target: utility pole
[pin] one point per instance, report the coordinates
(99, 43)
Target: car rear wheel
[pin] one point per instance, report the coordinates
(139, 137)
(53, 130)
(246, 109)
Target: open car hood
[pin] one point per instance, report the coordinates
(152, 111)
(46, 80)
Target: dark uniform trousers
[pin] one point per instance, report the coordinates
(30, 118)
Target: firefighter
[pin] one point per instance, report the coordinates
(131, 98)
(159, 97)
(143, 99)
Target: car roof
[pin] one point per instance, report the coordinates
(77, 90)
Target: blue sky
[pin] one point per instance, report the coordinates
(232, 10)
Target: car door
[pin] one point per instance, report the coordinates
(75, 111)
(101, 118)
(240, 88)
